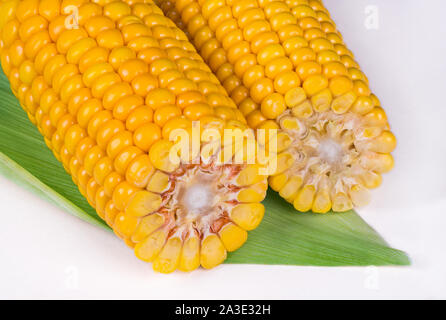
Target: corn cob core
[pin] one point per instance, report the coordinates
(286, 66)
(106, 82)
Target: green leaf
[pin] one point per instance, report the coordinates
(284, 237)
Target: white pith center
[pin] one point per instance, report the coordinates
(197, 198)
(323, 147)
(330, 151)
(200, 197)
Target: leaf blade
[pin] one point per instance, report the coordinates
(311, 239)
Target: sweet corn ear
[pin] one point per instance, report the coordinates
(108, 84)
(285, 61)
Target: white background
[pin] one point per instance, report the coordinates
(46, 253)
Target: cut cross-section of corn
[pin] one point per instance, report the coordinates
(286, 67)
(107, 83)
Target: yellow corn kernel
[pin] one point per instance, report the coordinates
(385, 143)
(102, 169)
(380, 162)
(286, 81)
(148, 249)
(290, 188)
(322, 202)
(255, 193)
(315, 84)
(250, 175)
(343, 103)
(119, 142)
(169, 257)
(322, 101)
(125, 225)
(232, 236)
(212, 252)
(123, 160)
(295, 96)
(159, 182)
(248, 216)
(143, 203)
(110, 213)
(139, 117)
(273, 106)
(160, 156)
(147, 226)
(190, 254)
(303, 110)
(304, 199)
(277, 182)
(363, 105)
(122, 195)
(77, 50)
(261, 89)
(284, 161)
(342, 202)
(360, 195)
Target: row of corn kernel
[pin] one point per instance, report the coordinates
(206, 85)
(307, 11)
(312, 55)
(230, 234)
(315, 9)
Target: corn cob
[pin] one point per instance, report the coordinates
(106, 82)
(285, 65)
